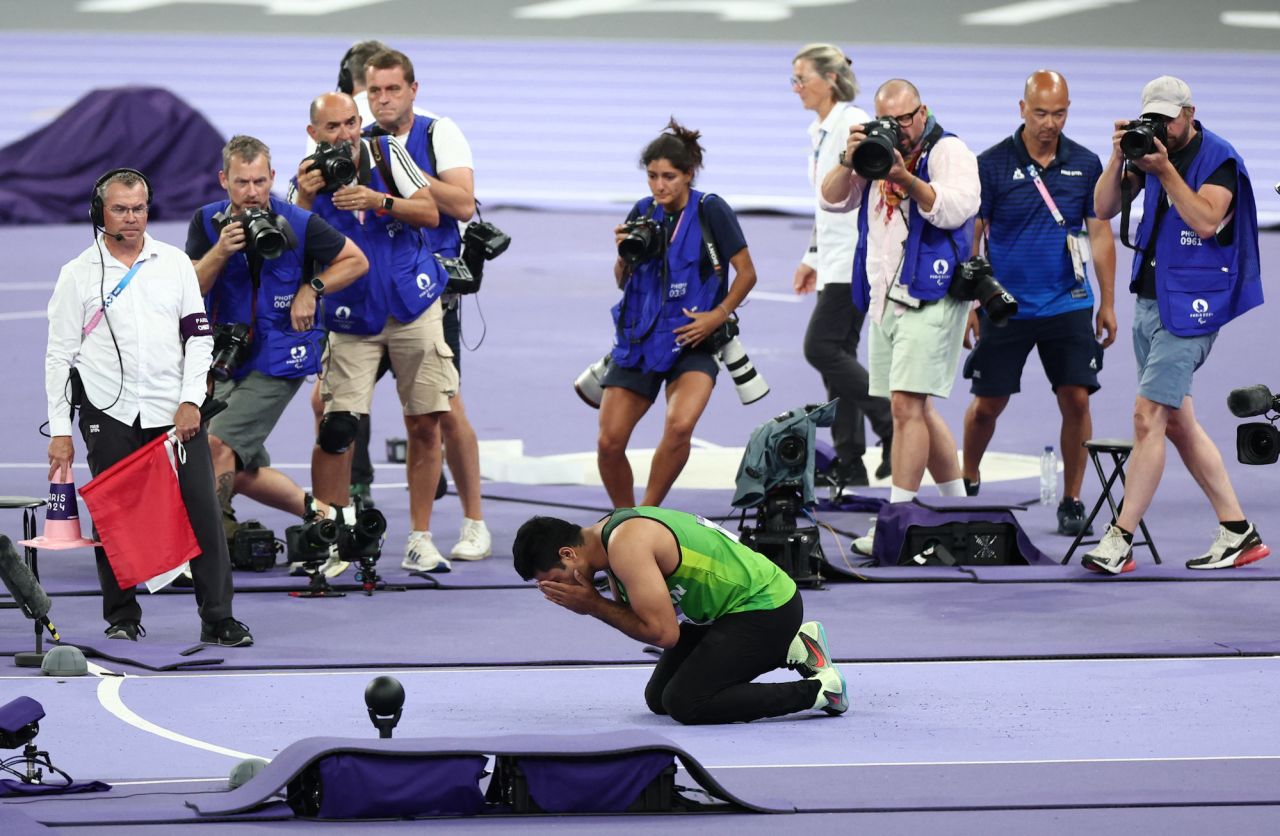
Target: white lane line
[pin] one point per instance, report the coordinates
(16, 315)
(1251, 20)
(1038, 762)
(109, 685)
(1035, 11)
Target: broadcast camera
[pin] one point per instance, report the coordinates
(1256, 443)
(776, 478)
(230, 348)
(1140, 135)
(253, 547)
(873, 157)
(976, 281)
(334, 164)
(266, 234)
(642, 241)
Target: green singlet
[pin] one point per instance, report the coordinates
(717, 575)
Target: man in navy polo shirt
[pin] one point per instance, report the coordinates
(1037, 210)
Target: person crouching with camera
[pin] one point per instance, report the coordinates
(1195, 268)
(916, 190)
(256, 258)
(673, 255)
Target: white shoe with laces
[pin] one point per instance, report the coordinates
(421, 555)
(864, 544)
(474, 542)
(1113, 554)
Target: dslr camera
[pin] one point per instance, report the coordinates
(642, 241)
(266, 234)
(481, 242)
(334, 164)
(253, 547)
(230, 347)
(873, 157)
(1139, 137)
(975, 281)
(727, 348)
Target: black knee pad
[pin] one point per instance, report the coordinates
(337, 431)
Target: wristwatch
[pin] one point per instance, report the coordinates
(317, 286)
(387, 202)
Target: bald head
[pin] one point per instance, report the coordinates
(898, 89)
(1044, 82)
(330, 104)
(334, 119)
(1044, 111)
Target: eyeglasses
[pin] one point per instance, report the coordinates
(905, 119)
(801, 80)
(122, 211)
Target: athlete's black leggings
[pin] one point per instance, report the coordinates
(707, 677)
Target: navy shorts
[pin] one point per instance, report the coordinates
(1070, 354)
(648, 384)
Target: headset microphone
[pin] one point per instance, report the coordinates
(24, 587)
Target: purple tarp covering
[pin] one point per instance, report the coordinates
(895, 519)
(48, 176)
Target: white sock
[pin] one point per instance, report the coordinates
(897, 494)
(953, 488)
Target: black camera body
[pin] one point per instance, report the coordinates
(1256, 443)
(873, 157)
(310, 541)
(974, 280)
(266, 234)
(643, 240)
(481, 242)
(1140, 135)
(335, 165)
(230, 347)
(253, 547)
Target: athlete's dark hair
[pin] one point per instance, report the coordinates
(677, 145)
(538, 543)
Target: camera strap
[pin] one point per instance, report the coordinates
(1126, 204)
(111, 297)
(384, 167)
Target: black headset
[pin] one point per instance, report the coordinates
(345, 83)
(95, 200)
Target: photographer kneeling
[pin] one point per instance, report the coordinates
(674, 300)
(256, 259)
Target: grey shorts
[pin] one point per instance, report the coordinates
(1166, 362)
(254, 405)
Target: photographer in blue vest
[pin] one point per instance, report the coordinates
(916, 190)
(394, 311)
(676, 296)
(263, 266)
(1195, 268)
(437, 146)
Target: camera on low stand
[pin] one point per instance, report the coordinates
(1256, 442)
(310, 544)
(776, 478)
(360, 542)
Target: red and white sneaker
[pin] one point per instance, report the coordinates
(1113, 554)
(1231, 550)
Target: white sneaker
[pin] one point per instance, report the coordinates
(334, 565)
(421, 555)
(1231, 550)
(863, 545)
(474, 542)
(1113, 554)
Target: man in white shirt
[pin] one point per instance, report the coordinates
(916, 225)
(128, 336)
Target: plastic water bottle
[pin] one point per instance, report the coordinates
(1048, 476)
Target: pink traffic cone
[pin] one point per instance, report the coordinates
(61, 519)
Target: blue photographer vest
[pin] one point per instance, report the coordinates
(932, 253)
(1202, 285)
(446, 240)
(404, 278)
(276, 349)
(653, 308)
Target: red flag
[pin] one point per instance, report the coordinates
(138, 510)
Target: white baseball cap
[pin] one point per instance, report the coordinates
(1166, 96)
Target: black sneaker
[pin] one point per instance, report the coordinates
(885, 470)
(228, 632)
(850, 474)
(1071, 517)
(128, 630)
(972, 488)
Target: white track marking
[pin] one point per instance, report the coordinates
(109, 685)
(1251, 20)
(1035, 11)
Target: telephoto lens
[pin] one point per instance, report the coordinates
(873, 157)
(590, 384)
(747, 381)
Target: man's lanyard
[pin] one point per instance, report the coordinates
(111, 297)
(1044, 193)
